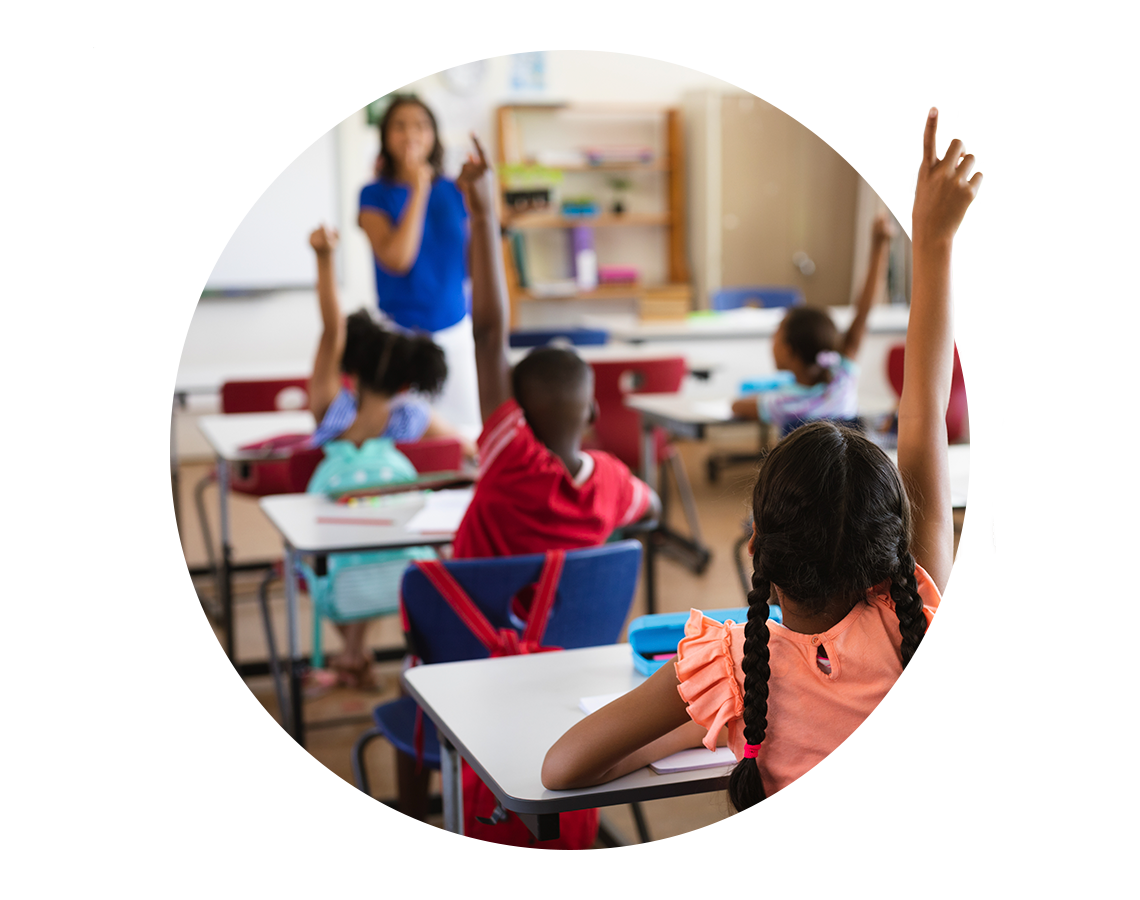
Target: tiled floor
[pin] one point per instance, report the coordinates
(228, 792)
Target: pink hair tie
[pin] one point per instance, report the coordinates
(751, 750)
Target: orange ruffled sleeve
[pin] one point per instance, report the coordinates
(707, 668)
(949, 643)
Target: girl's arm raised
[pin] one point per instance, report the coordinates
(881, 235)
(945, 190)
(490, 320)
(324, 383)
(647, 724)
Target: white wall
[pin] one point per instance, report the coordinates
(276, 330)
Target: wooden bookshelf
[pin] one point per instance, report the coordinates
(674, 297)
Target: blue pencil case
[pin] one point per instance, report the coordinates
(770, 382)
(654, 639)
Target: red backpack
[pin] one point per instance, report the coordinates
(483, 817)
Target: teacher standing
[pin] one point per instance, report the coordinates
(416, 221)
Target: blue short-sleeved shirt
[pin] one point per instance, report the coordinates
(834, 399)
(408, 421)
(431, 296)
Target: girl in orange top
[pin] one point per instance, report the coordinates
(838, 545)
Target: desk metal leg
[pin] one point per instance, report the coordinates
(225, 572)
(295, 724)
(197, 602)
(451, 773)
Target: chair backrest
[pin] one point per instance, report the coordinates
(590, 606)
(953, 840)
(265, 396)
(430, 455)
(618, 428)
(443, 454)
(540, 337)
(956, 410)
(764, 297)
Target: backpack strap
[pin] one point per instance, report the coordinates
(505, 641)
(543, 601)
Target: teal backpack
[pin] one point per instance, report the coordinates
(358, 585)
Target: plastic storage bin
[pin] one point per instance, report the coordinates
(659, 634)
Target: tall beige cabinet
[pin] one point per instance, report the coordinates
(771, 202)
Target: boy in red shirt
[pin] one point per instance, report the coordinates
(537, 488)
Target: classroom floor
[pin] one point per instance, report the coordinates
(230, 793)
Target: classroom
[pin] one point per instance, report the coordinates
(661, 223)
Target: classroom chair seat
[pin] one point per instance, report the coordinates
(540, 337)
(953, 840)
(592, 600)
(764, 297)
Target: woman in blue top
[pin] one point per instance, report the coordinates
(416, 222)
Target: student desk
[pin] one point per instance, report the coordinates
(501, 715)
(298, 518)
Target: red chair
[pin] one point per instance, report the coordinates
(254, 479)
(618, 431)
(956, 413)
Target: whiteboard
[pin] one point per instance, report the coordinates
(252, 167)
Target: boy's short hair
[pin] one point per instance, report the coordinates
(554, 386)
(548, 371)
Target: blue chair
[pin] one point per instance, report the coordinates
(590, 607)
(953, 840)
(579, 337)
(764, 297)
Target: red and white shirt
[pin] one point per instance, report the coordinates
(526, 502)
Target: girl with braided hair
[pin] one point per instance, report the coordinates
(855, 560)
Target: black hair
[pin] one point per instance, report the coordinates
(435, 157)
(387, 362)
(808, 332)
(552, 386)
(832, 520)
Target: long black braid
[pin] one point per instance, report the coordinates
(744, 786)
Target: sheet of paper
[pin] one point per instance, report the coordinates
(683, 760)
(442, 512)
(697, 758)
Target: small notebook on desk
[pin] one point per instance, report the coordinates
(682, 761)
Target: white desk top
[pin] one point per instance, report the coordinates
(504, 714)
(226, 434)
(682, 409)
(208, 379)
(304, 521)
(700, 361)
(744, 323)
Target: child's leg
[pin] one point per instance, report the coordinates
(354, 663)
